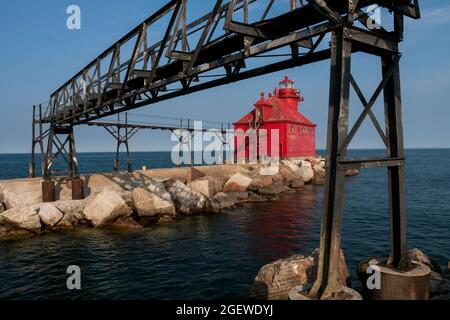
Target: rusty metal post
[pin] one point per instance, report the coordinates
(48, 185)
(129, 161)
(77, 185)
(48, 190)
(41, 140)
(76, 181)
(396, 175)
(118, 143)
(32, 166)
(327, 284)
(127, 133)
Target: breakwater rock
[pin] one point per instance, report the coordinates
(151, 196)
(275, 280)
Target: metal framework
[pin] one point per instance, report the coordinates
(182, 61)
(123, 131)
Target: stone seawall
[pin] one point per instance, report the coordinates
(147, 197)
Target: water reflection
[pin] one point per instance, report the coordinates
(202, 257)
(276, 231)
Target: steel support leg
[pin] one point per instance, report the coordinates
(48, 185)
(129, 162)
(32, 166)
(116, 160)
(327, 284)
(396, 175)
(73, 155)
(76, 182)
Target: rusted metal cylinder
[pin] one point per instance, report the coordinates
(412, 284)
(77, 188)
(48, 191)
(116, 165)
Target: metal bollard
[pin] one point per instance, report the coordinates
(412, 284)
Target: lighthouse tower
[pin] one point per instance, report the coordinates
(279, 111)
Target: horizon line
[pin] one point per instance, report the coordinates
(154, 151)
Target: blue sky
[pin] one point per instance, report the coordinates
(38, 53)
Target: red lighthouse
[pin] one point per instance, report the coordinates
(297, 134)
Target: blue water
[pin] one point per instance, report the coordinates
(217, 256)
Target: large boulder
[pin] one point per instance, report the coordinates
(105, 208)
(255, 197)
(440, 285)
(319, 171)
(157, 187)
(168, 183)
(73, 213)
(204, 186)
(97, 183)
(419, 256)
(239, 196)
(293, 166)
(11, 232)
(186, 199)
(221, 201)
(237, 183)
(274, 190)
(20, 193)
(147, 204)
(25, 217)
(275, 280)
(49, 214)
(260, 183)
(297, 184)
(269, 170)
(306, 172)
(306, 163)
(288, 174)
(319, 175)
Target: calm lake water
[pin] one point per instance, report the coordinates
(217, 256)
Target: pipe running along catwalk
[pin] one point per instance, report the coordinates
(134, 72)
